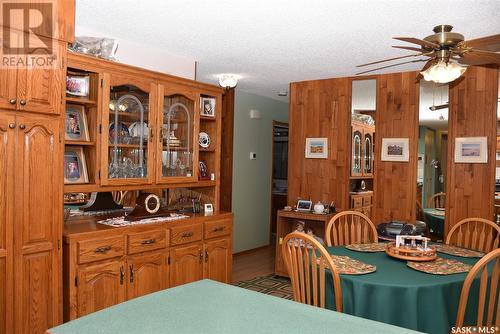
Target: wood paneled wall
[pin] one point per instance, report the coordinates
(320, 108)
(395, 185)
(472, 112)
(226, 166)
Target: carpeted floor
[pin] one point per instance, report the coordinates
(270, 285)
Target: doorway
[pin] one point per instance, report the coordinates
(279, 181)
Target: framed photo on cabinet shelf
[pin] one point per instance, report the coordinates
(75, 167)
(75, 123)
(471, 150)
(77, 85)
(317, 148)
(395, 149)
(207, 106)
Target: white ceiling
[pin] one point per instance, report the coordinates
(271, 43)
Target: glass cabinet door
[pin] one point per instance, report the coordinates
(368, 163)
(177, 127)
(127, 132)
(356, 153)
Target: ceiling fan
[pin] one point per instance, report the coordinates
(444, 52)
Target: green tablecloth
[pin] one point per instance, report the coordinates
(435, 221)
(211, 307)
(398, 295)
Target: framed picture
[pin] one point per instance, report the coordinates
(303, 205)
(395, 149)
(203, 171)
(75, 168)
(208, 106)
(471, 150)
(317, 148)
(75, 123)
(77, 85)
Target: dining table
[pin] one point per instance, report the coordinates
(211, 307)
(435, 220)
(397, 294)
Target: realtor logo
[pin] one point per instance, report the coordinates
(26, 34)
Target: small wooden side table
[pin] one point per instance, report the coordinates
(286, 224)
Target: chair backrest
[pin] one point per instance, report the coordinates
(481, 268)
(306, 260)
(350, 227)
(475, 233)
(437, 201)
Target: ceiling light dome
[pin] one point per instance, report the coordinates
(228, 80)
(443, 72)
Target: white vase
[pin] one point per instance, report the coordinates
(319, 207)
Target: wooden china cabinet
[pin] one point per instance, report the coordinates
(143, 133)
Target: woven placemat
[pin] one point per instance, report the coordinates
(348, 266)
(440, 266)
(456, 251)
(368, 248)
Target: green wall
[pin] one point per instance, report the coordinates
(251, 199)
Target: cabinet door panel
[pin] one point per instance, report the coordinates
(8, 80)
(100, 286)
(41, 88)
(218, 260)
(38, 223)
(186, 265)
(147, 274)
(6, 206)
(37, 294)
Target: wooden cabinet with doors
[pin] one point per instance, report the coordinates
(363, 202)
(362, 151)
(106, 265)
(34, 89)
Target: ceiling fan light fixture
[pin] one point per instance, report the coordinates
(228, 80)
(443, 72)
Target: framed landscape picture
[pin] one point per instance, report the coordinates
(317, 148)
(471, 150)
(395, 149)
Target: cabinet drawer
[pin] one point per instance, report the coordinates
(217, 228)
(145, 241)
(100, 249)
(357, 202)
(367, 200)
(184, 234)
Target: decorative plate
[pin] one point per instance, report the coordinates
(368, 248)
(122, 132)
(348, 266)
(440, 266)
(456, 251)
(137, 129)
(204, 139)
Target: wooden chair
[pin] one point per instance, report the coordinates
(437, 201)
(308, 281)
(350, 227)
(475, 233)
(481, 267)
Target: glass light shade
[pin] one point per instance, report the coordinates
(228, 81)
(443, 72)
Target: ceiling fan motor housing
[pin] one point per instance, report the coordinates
(444, 37)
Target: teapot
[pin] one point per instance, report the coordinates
(319, 207)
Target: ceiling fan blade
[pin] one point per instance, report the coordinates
(439, 107)
(397, 64)
(479, 57)
(421, 42)
(489, 43)
(408, 48)
(389, 59)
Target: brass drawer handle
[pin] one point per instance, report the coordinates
(187, 234)
(103, 249)
(218, 229)
(148, 242)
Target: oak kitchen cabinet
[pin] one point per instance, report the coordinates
(104, 265)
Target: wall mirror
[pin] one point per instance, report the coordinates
(363, 108)
(432, 156)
